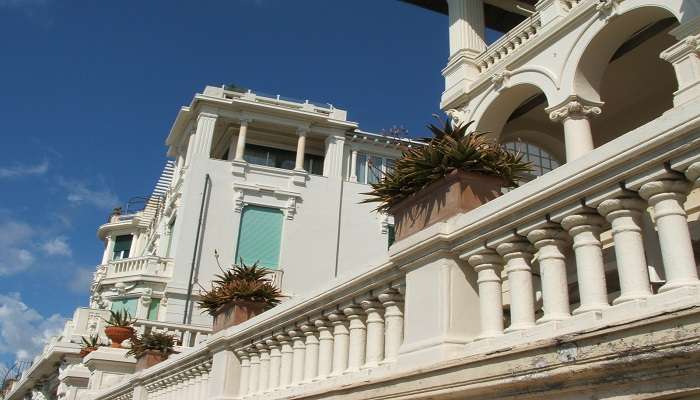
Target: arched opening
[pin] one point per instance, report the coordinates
(610, 70)
(517, 119)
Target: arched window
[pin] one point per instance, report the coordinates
(541, 161)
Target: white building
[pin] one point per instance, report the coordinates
(582, 283)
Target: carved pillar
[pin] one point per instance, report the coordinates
(518, 254)
(550, 242)
(393, 320)
(241, 140)
(341, 342)
(358, 337)
(374, 353)
(301, 148)
(275, 363)
(488, 265)
(574, 113)
(311, 351)
(325, 350)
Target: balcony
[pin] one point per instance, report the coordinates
(145, 267)
(569, 250)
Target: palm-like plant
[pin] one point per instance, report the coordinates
(91, 342)
(162, 343)
(120, 319)
(450, 149)
(240, 283)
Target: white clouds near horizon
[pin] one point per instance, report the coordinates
(23, 330)
(57, 246)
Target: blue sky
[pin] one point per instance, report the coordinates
(89, 89)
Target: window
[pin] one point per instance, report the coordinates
(153, 309)
(391, 235)
(541, 161)
(371, 168)
(122, 246)
(285, 159)
(125, 304)
(259, 236)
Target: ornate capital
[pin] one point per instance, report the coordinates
(684, 47)
(607, 9)
(575, 107)
(500, 80)
(458, 117)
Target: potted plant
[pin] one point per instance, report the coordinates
(239, 294)
(456, 171)
(89, 345)
(151, 348)
(119, 327)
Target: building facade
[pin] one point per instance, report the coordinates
(581, 283)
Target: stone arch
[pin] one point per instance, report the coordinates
(509, 91)
(596, 46)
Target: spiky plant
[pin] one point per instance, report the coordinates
(120, 319)
(240, 283)
(91, 342)
(163, 343)
(450, 149)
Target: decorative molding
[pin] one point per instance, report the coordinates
(608, 9)
(458, 117)
(575, 107)
(500, 80)
(687, 46)
(267, 196)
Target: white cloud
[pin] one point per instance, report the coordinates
(79, 193)
(57, 246)
(81, 280)
(23, 330)
(15, 247)
(20, 170)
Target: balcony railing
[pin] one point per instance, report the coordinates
(146, 265)
(351, 333)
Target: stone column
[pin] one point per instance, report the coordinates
(467, 28)
(393, 321)
(550, 241)
(575, 112)
(625, 216)
(325, 350)
(299, 351)
(374, 351)
(301, 148)
(353, 165)
(264, 377)
(518, 254)
(341, 342)
(585, 228)
(254, 378)
(275, 363)
(358, 338)
(312, 352)
(240, 143)
(685, 57)
(488, 265)
(286, 360)
(205, 370)
(204, 135)
(667, 197)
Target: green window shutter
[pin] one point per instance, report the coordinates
(259, 236)
(153, 309)
(391, 234)
(122, 245)
(125, 304)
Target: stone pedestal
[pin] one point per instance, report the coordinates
(108, 367)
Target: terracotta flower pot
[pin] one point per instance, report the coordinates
(118, 334)
(454, 194)
(86, 350)
(236, 312)
(149, 359)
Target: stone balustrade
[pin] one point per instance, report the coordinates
(187, 335)
(509, 43)
(146, 265)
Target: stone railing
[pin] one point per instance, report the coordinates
(509, 43)
(345, 330)
(187, 335)
(146, 265)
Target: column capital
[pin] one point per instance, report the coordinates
(262, 347)
(693, 173)
(308, 328)
(243, 354)
(303, 130)
(589, 218)
(628, 204)
(650, 190)
(322, 324)
(337, 317)
(206, 115)
(390, 297)
(685, 47)
(245, 121)
(353, 311)
(282, 338)
(515, 248)
(549, 234)
(575, 107)
(272, 344)
(487, 259)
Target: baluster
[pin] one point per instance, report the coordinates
(488, 264)
(311, 353)
(254, 370)
(667, 197)
(517, 255)
(374, 351)
(206, 369)
(263, 380)
(275, 363)
(585, 228)
(286, 361)
(625, 216)
(325, 348)
(550, 241)
(187, 339)
(393, 319)
(341, 342)
(299, 351)
(358, 338)
(196, 383)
